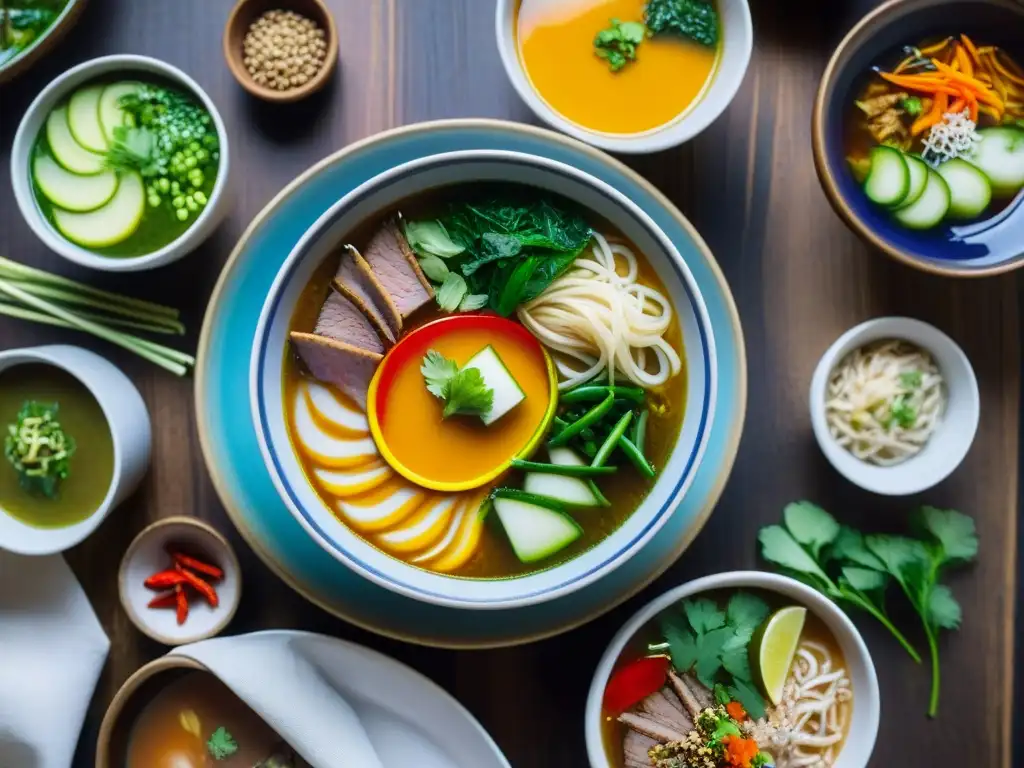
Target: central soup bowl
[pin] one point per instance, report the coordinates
(463, 170)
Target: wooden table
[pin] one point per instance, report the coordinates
(799, 277)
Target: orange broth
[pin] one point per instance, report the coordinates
(557, 50)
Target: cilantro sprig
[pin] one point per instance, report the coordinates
(714, 644)
(463, 391)
(855, 569)
(221, 745)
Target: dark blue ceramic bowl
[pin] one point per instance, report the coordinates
(983, 247)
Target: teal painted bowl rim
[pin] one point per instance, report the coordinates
(555, 621)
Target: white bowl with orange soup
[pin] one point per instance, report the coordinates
(438, 508)
(631, 97)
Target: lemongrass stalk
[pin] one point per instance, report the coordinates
(114, 337)
(168, 352)
(67, 297)
(13, 270)
(16, 310)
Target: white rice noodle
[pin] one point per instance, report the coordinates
(807, 728)
(599, 318)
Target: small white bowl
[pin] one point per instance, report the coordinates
(737, 44)
(124, 65)
(148, 554)
(951, 440)
(130, 429)
(863, 730)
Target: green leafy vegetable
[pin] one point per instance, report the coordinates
(38, 448)
(473, 301)
(866, 564)
(912, 106)
(695, 19)
(434, 268)
(221, 745)
(911, 379)
(452, 291)
(902, 412)
(617, 44)
(463, 391)
(429, 238)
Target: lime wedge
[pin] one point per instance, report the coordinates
(772, 649)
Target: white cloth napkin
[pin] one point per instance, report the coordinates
(52, 649)
(287, 679)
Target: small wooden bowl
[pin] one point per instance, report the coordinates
(242, 17)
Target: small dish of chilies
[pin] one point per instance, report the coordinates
(180, 581)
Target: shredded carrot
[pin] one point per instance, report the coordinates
(964, 61)
(736, 711)
(739, 752)
(972, 49)
(934, 115)
(958, 78)
(958, 106)
(972, 105)
(920, 83)
(1010, 64)
(931, 49)
(1002, 70)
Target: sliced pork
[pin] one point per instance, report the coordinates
(358, 283)
(347, 367)
(340, 319)
(648, 726)
(664, 707)
(635, 747)
(395, 265)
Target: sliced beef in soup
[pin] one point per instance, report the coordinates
(340, 319)
(357, 282)
(395, 265)
(334, 362)
(664, 717)
(636, 748)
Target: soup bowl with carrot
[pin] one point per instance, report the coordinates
(483, 379)
(918, 133)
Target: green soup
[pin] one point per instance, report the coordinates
(92, 463)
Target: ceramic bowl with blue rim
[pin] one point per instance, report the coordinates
(971, 221)
(382, 193)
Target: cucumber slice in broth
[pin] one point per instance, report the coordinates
(969, 189)
(113, 223)
(930, 208)
(1000, 156)
(71, 191)
(84, 118)
(66, 150)
(111, 115)
(535, 532)
(888, 181)
(918, 169)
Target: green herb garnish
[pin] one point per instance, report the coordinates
(911, 379)
(912, 106)
(617, 44)
(902, 412)
(715, 645)
(39, 449)
(695, 19)
(463, 391)
(221, 745)
(812, 541)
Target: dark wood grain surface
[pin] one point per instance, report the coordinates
(800, 279)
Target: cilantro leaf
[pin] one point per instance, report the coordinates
(745, 693)
(221, 745)
(723, 727)
(721, 695)
(736, 661)
(467, 393)
(849, 545)
(943, 609)
(778, 546)
(703, 615)
(901, 557)
(682, 644)
(810, 525)
(709, 655)
(438, 370)
(953, 531)
(863, 579)
(745, 610)
(902, 412)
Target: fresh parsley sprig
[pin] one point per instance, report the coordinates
(221, 745)
(617, 43)
(812, 543)
(463, 391)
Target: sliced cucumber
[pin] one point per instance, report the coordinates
(931, 207)
(114, 222)
(84, 118)
(507, 393)
(888, 181)
(918, 170)
(110, 113)
(969, 189)
(66, 150)
(571, 490)
(535, 532)
(71, 191)
(1000, 156)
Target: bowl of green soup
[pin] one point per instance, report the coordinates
(120, 164)
(76, 441)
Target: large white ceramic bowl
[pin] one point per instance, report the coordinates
(120, 65)
(130, 429)
(737, 44)
(383, 193)
(863, 730)
(952, 439)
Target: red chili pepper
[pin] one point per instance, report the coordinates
(634, 682)
(179, 594)
(166, 600)
(164, 579)
(197, 565)
(206, 590)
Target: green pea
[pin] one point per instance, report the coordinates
(191, 162)
(179, 201)
(182, 214)
(164, 184)
(175, 188)
(191, 204)
(154, 201)
(197, 181)
(200, 197)
(195, 146)
(178, 157)
(202, 155)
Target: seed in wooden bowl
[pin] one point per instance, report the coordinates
(284, 50)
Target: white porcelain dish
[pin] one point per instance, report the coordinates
(380, 194)
(952, 439)
(148, 553)
(130, 429)
(34, 119)
(863, 729)
(737, 44)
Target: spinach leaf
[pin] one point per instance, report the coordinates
(695, 19)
